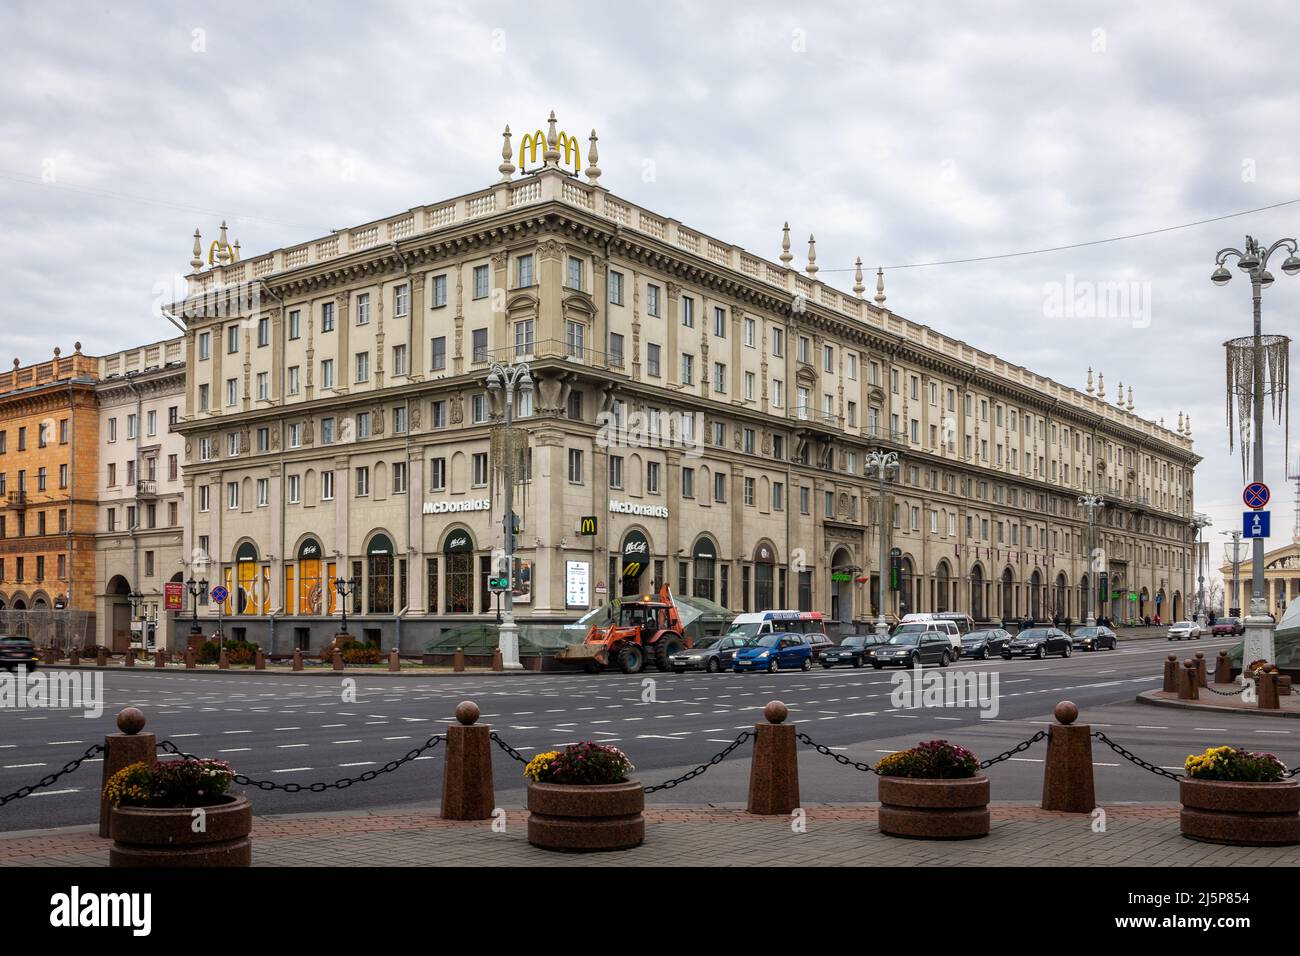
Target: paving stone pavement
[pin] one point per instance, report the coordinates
(834, 835)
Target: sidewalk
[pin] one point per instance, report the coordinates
(836, 835)
(1288, 705)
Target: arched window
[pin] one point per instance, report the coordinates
(977, 593)
(705, 556)
(636, 558)
(379, 575)
(764, 565)
(311, 587)
(458, 547)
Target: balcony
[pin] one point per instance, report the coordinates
(15, 500)
(815, 417)
(548, 349)
(146, 488)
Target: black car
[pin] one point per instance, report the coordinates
(1039, 642)
(17, 652)
(1094, 639)
(912, 649)
(984, 644)
(712, 654)
(852, 650)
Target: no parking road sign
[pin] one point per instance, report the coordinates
(1254, 524)
(219, 594)
(1256, 495)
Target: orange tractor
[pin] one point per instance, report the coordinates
(641, 630)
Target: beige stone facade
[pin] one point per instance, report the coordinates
(139, 541)
(710, 408)
(1281, 579)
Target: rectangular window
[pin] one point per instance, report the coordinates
(440, 414)
(688, 312)
(438, 474)
(719, 322)
(327, 373)
(401, 301)
(575, 273)
(399, 421)
(232, 339)
(616, 471)
(294, 489)
(480, 339)
(363, 425)
(232, 391)
(439, 291)
(438, 354)
(575, 339)
(295, 324)
(327, 316)
(363, 366)
(615, 350)
(615, 288)
(263, 492)
(295, 383)
(205, 346)
(327, 486)
(652, 478)
(749, 334)
(688, 369)
(479, 409)
(523, 272)
(363, 308)
(575, 466)
(652, 300)
(652, 360)
(399, 360)
(399, 477)
(720, 488)
(363, 482)
(479, 463)
(688, 482)
(263, 386)
(481, 282)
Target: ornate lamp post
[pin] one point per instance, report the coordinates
(1257, 365)
(344, 587)
(1093, 505)
(137, 600)
(1234, 556)
(1198, 523)
(509, 379)
(197, 589)
(881, 462)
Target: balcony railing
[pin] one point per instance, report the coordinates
(16, 500)
(548, 349)
(146, 488)
(809, 413)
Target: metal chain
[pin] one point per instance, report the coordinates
(321, 786)
(713, 761)
(1018, 748)
(1133, 758)
(1225, 693)
(838, 758)
(48, 779)
(507, 748)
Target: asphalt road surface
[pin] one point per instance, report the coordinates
(300, 728)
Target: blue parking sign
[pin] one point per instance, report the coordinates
(1254, 524)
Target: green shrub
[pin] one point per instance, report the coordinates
(237, 652)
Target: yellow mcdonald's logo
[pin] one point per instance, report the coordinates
(587, 525)
(534, 141)
(632, 569)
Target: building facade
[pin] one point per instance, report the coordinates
(48, 461)
(1281, 579)
(139, 489)
(711, 411)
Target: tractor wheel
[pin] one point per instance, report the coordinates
(631, 659)
(666, 647)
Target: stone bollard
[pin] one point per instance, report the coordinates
(259, 662)
(1171, 675)
(774, 768)
(458, 660)
(101, 657)
(338, 660)
(1067, 775)
(129, 659)
(498, 664)
(1283, 685)
(159, 659)
(51, 656)
(394, 661)
(121, 750)
(1266, 688)
(1200, 669)
(223, 661)
(297, 659)
(74, 657)
(467, 791)
(1223, 669)
(189, 658)
(1188, 685)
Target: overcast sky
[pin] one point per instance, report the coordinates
(898, 132)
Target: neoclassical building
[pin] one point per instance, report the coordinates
(1281, 579)
(712, 410)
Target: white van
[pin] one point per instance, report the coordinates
(927, 623)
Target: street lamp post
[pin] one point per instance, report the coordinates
(1093, 505)
(881, 462)
(197, 590)
(137, 600)
(1198, 523)
(1230, 606)
(1254, 262)
(344, 587)
(509, 379)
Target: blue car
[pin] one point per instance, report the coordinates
(772, 652)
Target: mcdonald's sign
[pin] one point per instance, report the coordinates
(587, 525)
(568, 147)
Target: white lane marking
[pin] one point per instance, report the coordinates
(359, 763)
(52, 793)
(292, 769)
(288, 746)
(21, 766)
(235, 750)
(345, 741)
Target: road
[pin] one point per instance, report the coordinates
(300, 728)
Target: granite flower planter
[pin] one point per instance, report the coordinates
(582, 819)
(148, 836)
(1237, 813)
(935, 809)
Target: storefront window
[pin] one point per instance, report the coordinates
(705, 556)
(379, 582)
(458, 549)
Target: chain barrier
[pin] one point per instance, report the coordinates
(1225, 693)
(1134, 758)
(1018, 748)
(500, 742)
(838, 758)
(48, 779)
(319, 787)
(713, 762)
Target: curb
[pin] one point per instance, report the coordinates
(324, 671)
(1142, 698)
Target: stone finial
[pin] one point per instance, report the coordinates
(196, 260)
(1119, 399)
(880, 286)
(552, 154)
(1101, 385)
(858, 287)
(786, 257)
(16, 364)
(57, 351)
(77, 347)
(1130, 398)
(1090, 388)
(1188, 429)
(1162, 421)
(812, 257)
(593, 157)
(237, 252)
(1180, 423)
(507, 167)
(223, 246)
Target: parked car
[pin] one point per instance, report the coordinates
(1094, 638)
(852, 650)
(773, 652)
(1039, 642)
(712, 654)
(913, 648)
(1228, 626)
(17, 652)
(984, 644)
(965, 623)
(1184, 631)
(819, 642)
